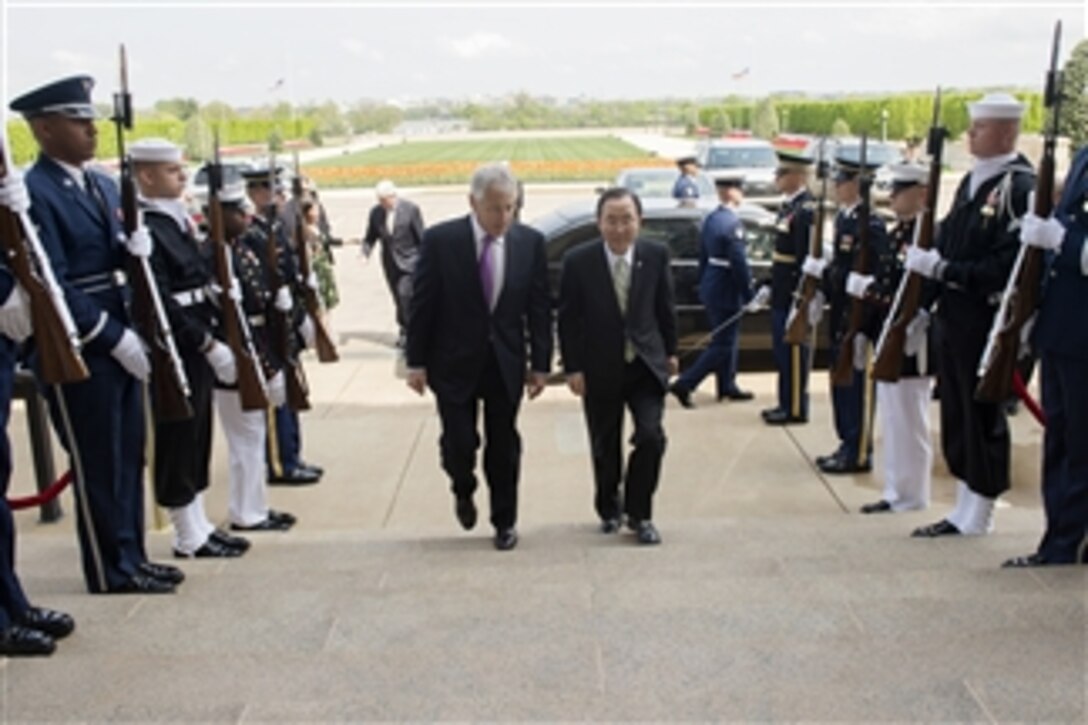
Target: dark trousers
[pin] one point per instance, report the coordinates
(791, 361)
(1065, 458)
(643, 395)
(13, 602)
(284, 441)
(107, 418)
(400, 286)
(502, 444)
(720, 356)
(183, 448)
(852, 406)
(974, 435)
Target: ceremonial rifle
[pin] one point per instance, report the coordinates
(888, 364)
(55, 333)
(1022, 291)
(798, 328)
(280, 324)
(169, 384)
(843, 373)
(326, 350)
(251, 382)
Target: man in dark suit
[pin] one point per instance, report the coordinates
(398, 225)
(100, 421)
(617, 335)
(481, 283)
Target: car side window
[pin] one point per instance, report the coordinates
(760, 242)
(681, 236)
(575, 237)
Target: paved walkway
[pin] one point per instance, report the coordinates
(769, 600)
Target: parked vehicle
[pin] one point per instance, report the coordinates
(651, 182)
(752, 157)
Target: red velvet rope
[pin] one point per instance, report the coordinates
(44, 496)
(1030, 403)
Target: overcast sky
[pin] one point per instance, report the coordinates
(239, 51)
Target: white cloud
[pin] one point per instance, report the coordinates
(477, 45)
(361, 50)
(71, 61)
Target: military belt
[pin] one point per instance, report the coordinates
(256, 320)
(190, 297)
(100, 282)
(783, 258)
(720, 262)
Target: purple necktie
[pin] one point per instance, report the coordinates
(487, 275)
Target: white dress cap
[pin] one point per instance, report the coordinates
(998, 106)
(155, 151)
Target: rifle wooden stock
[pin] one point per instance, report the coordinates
(1024, 288)
(326, 349)
(60, 359)
(251, 386)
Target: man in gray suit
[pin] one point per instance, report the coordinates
(398, 224)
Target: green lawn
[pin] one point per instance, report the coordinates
(513, 149)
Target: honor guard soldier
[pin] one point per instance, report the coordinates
(791, 244)
(247, 430)
(685, 186)
(24, 629)
(1061, 337)
(903, 406)
(976, 246)
(852, 404)
(725, 288)
(182, 268)
(100, 421)
(285, 464)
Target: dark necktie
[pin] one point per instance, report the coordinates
(487, 272)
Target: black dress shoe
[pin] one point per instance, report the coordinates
(312, 468)
(466, 512)
(842, 464)
(17, 641)
(766, 412)
(682, 394)
(267, 524)
(879, 507)
(610, 525)
(235, 542)
(821, 460)
(282, 517)
(781, 417)
(646, 533)
(211, 549)
(506, 539)
(737, 395)
(295, 477)
(163, 572)
(143, 584)
(944, 527)
(1023, 562)
(57, 625)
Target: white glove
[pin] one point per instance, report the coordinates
(861, 352)
(139, 242)
(311, 281)
(1025, 336)
(277, 390)
(1041, 233)
(235, 290)
(814, 266)
(759, 302)
(131, 353)
(221, 360)
(283, 301)
(816, 309)
(13, 193)
(856, 284)
(923, 261)
(309, 334)
(15, 320)
(916, 333)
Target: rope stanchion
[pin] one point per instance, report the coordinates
(42, 497)
(1029, 402)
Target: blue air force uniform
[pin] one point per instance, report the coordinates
(685, 188)
(725, 286)
(1061, 337)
